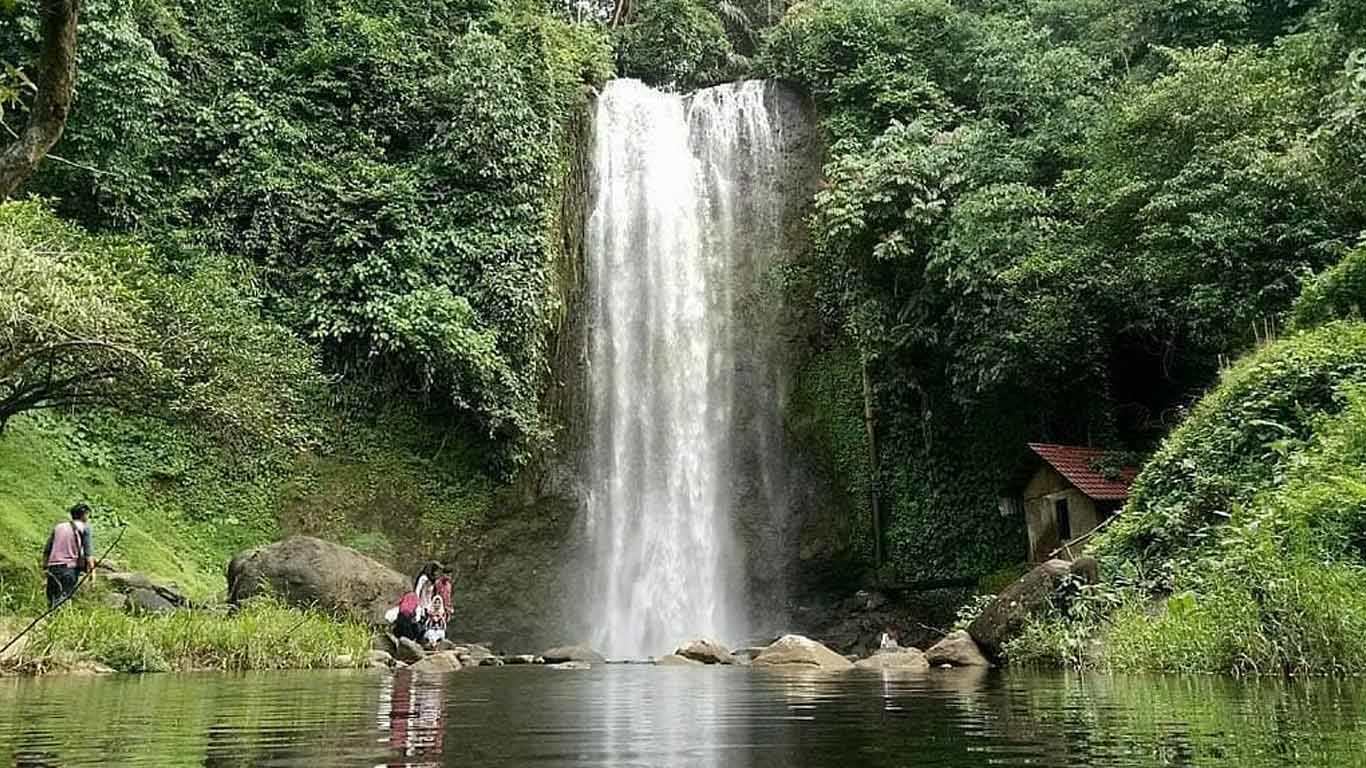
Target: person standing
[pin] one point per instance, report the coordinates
(69, 552)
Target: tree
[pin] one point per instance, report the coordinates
(102, 321)
(52, 101)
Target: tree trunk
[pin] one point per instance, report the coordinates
(51, 105)
(874, 463)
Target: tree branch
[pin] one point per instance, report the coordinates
(52, 104)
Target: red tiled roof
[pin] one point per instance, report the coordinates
(1076, 463)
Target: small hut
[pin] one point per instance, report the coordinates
(1064, 493)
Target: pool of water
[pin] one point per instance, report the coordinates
(655, 716)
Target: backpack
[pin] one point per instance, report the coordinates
(407, 605)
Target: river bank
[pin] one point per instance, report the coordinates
(88, 638)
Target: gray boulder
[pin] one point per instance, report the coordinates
(571, 665)
(675, 660)
(524, 658)
(706, 652)
(309, 572)
(957, 649)
(127, 582)
(410, 652)
(901, 659)
(439, 663)
(380, 660)
(147, 601)
(1005, 617)
(385, 642)
(795, 650)
(573, 653)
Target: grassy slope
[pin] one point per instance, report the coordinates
(42, 474)
(191, 504)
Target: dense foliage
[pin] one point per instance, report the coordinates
(1244, 547)
(391, 170)
(107, 321)
(1052, 220)
(675, 43)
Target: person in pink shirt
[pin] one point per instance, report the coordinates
(69, 552)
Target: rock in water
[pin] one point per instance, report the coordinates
(525, 658)
(409, 651)
(573, 653)
(438, 663)
(306, 572)
(705, 651)
(385, 642)
(957, 649)
(800, 651)
(902, 659)
(1005, 617)
(571, 665)
(380, 660)
(675, 660)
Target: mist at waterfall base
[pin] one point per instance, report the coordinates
(685, 382)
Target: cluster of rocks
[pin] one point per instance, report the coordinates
(982, 642)
(389, 652)
(138, 593)
(308, 571)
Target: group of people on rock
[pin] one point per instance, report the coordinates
(423, 612)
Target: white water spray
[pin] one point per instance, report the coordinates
(685, 222)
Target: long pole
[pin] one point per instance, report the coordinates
(84, 578)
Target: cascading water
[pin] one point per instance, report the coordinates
(685, 224)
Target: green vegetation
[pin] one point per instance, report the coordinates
(1243, 548)
(260, 635)
(390, 173)
(304, 267)
(1052, 221)
(290, 270)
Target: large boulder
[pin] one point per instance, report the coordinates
(1005, 617)
(570, 653)
(899, 660)
(409, 651)
(795, 650)
(438, 663)
(309, 572)
(706, 652)
(957, 649)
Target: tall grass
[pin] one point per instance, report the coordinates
(262, 635)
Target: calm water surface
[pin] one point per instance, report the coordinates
(648, 716)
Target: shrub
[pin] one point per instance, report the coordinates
(1337, 294)
(1238, 441)
(89, 320)
(674, 43)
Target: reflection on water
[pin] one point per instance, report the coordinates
(705, 717)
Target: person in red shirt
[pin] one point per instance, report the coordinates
(69, 552)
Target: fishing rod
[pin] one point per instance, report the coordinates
(84, 578)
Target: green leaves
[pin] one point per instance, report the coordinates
(91, 321)
(676, 43)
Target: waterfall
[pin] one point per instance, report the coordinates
(685, 224)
